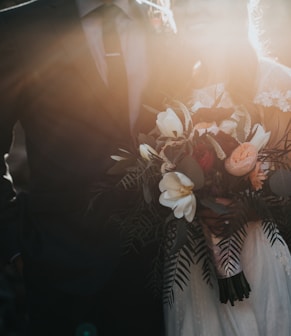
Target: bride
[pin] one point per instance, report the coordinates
(214, 35)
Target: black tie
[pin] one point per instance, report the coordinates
(116, 71)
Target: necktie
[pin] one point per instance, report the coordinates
(116, 71)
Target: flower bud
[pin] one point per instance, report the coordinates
(147, 152)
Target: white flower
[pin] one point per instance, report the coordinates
(261, 137)
(228, 126)
(147, 152)
(177, 194)
(169, 124)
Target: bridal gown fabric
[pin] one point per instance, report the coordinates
(197, 310)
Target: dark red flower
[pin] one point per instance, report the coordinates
(205, 156)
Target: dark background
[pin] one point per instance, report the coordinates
(275, 26)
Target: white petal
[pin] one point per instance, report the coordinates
(117, 158)
(169, 124)
(169, 181)
(228, 126)
(260, 138)
(185, 206)
(180, 206)
(184, 180)
(218, 149)
(166, 201)
(197, 106)
(173, 194)
(146, 151)
(191, 210)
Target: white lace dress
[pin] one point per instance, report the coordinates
(197, 310)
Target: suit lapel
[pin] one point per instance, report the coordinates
(68, 26)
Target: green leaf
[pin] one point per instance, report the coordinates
(280, 182)
(120, 167)
(190, 167)
(218, 208)
(181, 237)
(147, 139)
(147, 193)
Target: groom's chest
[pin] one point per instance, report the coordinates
(64, 73)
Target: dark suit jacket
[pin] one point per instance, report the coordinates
(49, 82)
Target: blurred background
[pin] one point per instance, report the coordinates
(275, 24)
(275, 27)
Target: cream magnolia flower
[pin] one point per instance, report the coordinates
(147, 152)
(177, 194)
(261, 137)
(169, 124)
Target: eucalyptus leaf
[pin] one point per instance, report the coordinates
(190, 167)
(218, 208)
(180, 238)
(280, 182)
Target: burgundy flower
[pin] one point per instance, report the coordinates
(205, 156)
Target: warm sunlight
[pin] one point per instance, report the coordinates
(270, 28)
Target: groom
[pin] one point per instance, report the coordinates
(59, 60)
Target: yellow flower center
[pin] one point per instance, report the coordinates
(185, 190)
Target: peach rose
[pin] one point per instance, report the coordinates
(242, 160)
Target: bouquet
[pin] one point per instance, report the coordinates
(198, 179)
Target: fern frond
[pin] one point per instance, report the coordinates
(271, 230)
(230, 250)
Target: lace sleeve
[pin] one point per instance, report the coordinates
(274, 87)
